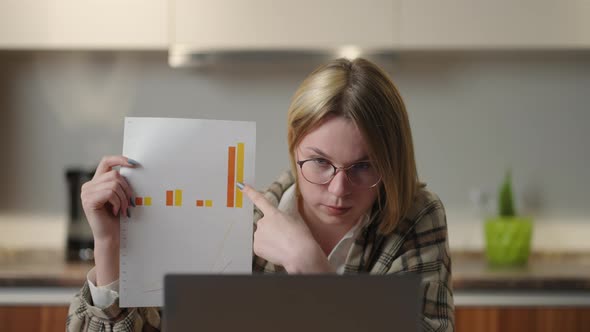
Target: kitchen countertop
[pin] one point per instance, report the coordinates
(40, 268)
(43, 277)
(545, 271)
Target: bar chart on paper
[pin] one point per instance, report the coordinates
(234, 198)
(189, 216)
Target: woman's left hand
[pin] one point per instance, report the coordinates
(285, 241)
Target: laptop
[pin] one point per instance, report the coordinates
(289, 303)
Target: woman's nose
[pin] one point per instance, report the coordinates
(339, 186)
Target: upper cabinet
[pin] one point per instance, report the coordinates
(498, 24)
(209, 27)
(316, 26)
(88, 24)
(203, 29)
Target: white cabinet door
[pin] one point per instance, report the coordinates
(86, 24)
(503, 24)
(283, 25)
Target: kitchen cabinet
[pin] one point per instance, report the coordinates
(284, 25)
(304, 25)
(500, 24)
(533, 319)
(33, 318)
(204, 27)
(83, 25)
(468, 319)
(551, 294)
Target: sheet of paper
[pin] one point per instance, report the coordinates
(190, 217)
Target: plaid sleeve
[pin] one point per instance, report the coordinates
(83, 316)
(425, 251)
(273, 194)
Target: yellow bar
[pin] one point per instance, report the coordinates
(177, 197)
(208, 203)
(147, 201)
(240, 173)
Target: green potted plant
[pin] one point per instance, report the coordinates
(508, 236)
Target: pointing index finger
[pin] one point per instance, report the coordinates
(258, 199)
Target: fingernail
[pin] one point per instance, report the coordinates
(132, 201)
(128, 214)
(132, 162)
(240, 185)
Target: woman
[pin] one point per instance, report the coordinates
(351, 203)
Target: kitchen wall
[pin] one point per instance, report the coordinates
(473, 115)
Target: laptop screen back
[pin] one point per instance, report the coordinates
(291, 303)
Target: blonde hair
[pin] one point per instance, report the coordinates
(360, 91)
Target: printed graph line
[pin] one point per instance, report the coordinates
(153, 290)
(222, 246)
(151, 286)
(227, 265)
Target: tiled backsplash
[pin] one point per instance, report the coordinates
(473, 115)
(49, 232)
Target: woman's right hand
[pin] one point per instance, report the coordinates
(105, 197)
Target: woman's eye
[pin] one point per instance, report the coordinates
(362, 166)
(321, 162)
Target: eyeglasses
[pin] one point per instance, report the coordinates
(320, 171)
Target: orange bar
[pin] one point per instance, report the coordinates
(138, 201)
(199, 202)
(169, 197)
(231, 173)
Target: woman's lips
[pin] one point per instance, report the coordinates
(336, 210)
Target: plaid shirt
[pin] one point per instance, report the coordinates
(418, 245)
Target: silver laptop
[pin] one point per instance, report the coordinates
(288, 303)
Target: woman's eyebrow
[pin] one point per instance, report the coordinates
(318, 151)
(325, 155)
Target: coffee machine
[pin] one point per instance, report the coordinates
(80, 243)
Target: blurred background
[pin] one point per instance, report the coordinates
(489, 86)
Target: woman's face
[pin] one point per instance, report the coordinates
(338, 202)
